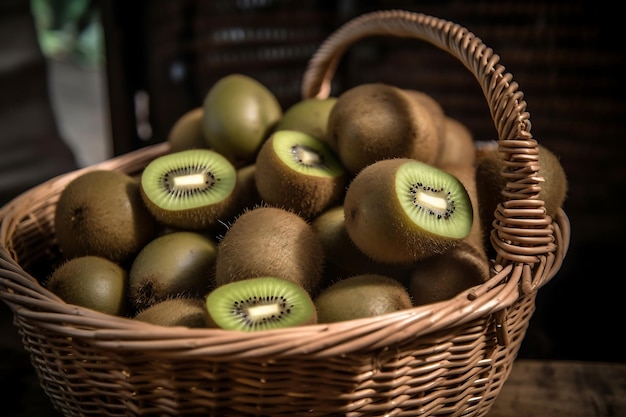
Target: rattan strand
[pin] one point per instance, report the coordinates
(448, 358)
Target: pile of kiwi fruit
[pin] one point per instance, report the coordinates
(260, 217)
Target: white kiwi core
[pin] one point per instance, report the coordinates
(260, 312)
(193, 181)
(434, 200)
(307, 156)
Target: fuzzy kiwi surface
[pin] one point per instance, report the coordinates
(376, 121)
(309, 116)
(175, 264)
(192, 189)
(457, 145)
(93, 282)
(361, 296)
(187, 132)
(270, 241)
(299, 172)
(437, 112)
(179, 311)
(102, 213)
(260, 303)
(402, 210)
(239, 114)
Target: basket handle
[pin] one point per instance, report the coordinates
(522, 232)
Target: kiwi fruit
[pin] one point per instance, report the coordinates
(174, 264)
(180, 311)
(239, 114)
(401, 210)
(310, 116)
(93, 282)
(433, 106)
(361, 296)
(261, 303)
(192, 189)
(299, 172)
(270, 241)
(457, 144)
(376, 121)
(187, 131)
(247, 192)
(491, 182)
(101, 213)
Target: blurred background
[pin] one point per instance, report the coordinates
(84, 80)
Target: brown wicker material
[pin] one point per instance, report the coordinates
(448, 358)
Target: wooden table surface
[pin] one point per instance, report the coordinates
(563, 388)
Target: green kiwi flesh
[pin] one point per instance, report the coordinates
(309, 116)
(260, 303)
(361, 296)
(93, 282)
(179, 311)
(299, 172)
(239, 114)
(192, 189)
(174, 264)
(102, 213)
(270, 241)
(402, 210)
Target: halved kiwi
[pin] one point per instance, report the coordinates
(102, 213)
(361, 296)
(174, 264)
(270, 241)
(402, 210)
(294, 170)
(192, 189)
(93, 282)
(260, 303)
(179, 311)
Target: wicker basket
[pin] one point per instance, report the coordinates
(448, 358)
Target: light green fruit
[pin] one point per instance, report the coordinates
(171, 265)
(92, 282)
(309, 116)
(102, 213)
(260, 303)
(187, 131)
(192, 189)
(299, 172)
(361, 296)
(179, 311)
(239, 114)
(402, 210)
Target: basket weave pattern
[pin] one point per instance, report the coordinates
(448, 358)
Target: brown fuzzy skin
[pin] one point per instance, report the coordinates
(281, 185)
(434, 107)
(102, 213)
(377, 222)
(187, 312)
(270, 241)
(361, 296)
(457, 144)
(187, 131)
(376, 121)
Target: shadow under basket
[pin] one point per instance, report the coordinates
(446, 358)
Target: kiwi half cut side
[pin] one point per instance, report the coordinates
(299, 172)
(260, 303)
(402, 210)
(191, 189)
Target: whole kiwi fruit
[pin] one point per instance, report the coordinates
(192, 189)
(375, 121)
(171, 265)
(270, 241)
(260, 303)
(239, 114)
(101, 213)
(402, 210)
(187, 132)
(433, 106)
(179, 311)
(309, 115)
(93, 282)
(361, 296)
(457, 145)
(299, 172)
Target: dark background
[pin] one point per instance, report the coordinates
(566, 57)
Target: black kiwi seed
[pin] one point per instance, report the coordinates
(260, 303)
